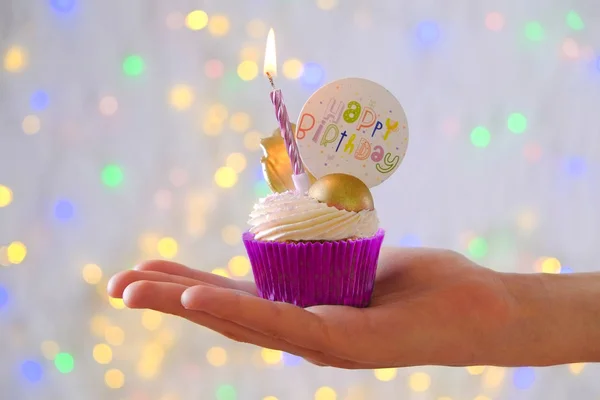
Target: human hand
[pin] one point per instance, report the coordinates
(429, 307)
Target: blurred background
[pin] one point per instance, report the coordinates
(130, 130)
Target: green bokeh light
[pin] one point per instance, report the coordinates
(112, 175)
(226, 392)
(480, 137)
(64, 362)
(574, 21)
(517, 123)
(262, 189)
(478, 247)
(133, 65)
(534, 31)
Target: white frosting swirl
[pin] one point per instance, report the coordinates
(291, 216)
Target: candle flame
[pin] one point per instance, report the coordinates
(270, 55)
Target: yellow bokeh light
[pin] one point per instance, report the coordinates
(49, 349)
(114, 378)
(221, 272)
(250, 54)
(236, 161)
(181, 97)
(550, 265)
(4, 257)
(218, 25)
(231, 234)
(212, 128)
(493, 377)
(327, 4)
(576, 368)
(116, 303)
(252, 140)
(293, 69)
(151, 319)
(270, 398)
(196, 20)
(102, 353)
(16, 252)
(419, 381)
(240, 121)
(226, 177)
(239, 266)
(147, 370)
(15, 59)
(476, 369)
(256, 29)
(325, 393)
(247, 70)
(218, 112)
(114, 335)
(6, 196)
(444, 398)
(481, 397)
(271, 357)
(165, 338)
(91, 273)
(98, 324)
(31, 124)
(108, 105)
(167, 247)
(148, 243)
(385, 374)
(216, 356)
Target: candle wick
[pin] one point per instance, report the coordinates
(271, 80)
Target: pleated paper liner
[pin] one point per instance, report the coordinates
(315, 273)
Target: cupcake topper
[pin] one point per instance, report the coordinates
(299, 177)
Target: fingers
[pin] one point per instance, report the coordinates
(281, 321)
(166, 297)
(173, 268)
(120, 281)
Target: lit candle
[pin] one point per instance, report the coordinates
(299, 176)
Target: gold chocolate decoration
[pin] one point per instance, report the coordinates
(342, 191)
(276, 163)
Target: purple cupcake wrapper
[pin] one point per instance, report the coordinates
(315, 273)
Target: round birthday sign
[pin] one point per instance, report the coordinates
(352, 126)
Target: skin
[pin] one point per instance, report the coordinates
(429, 307)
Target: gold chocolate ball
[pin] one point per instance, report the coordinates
(342, 191)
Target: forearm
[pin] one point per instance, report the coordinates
(556, 319)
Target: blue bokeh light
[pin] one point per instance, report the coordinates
(410, 241)
(32, 371)
(566, 270)
(64, 210)
(524, 377)
(3, 297)
(428, 32)
(39, 100)
(63, 6)
(575, 166)
(313, 76)
(290, 360)
(598, 63)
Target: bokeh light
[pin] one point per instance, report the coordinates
(480, 137)
(31, 124)
(39, 100)
(133, 65)
(428, 32)
(114, 378)
(6, 196)
(151, 319)
(261, 189)
(574, 21)
(181, 97)
(523, 377)
(3, 297)
(256, 29)
(15, 59)
(32, 371)
(325, 393)
(116, 303)
(576, 368)
(534, 31)
(270, 356)
(196, 20)
(236, 161)
(221, 272)
(493, 377)
(475, 369)
(102, 353)
(163, 199)
(63, 6)
(570, 48)
(532, 152)
(226, 392)
(575, 166)
(410, 241)
(112, 175)
(216, 356)
(250, 53)
(270, 398)
(63, 210)
(49, 349)
(419, 381)
(247, 70)
(167, 247)
(239, 266)
(494, 21)
(385, 374)
(91, 273)
(313, 75)
(327, 4)
(64, 363)
(550, 265)
(293, 68)
(114, 335)
(566, 270)
(226, 177)
(218, 25)
(252, 140)
(478, 247)
(214, 69)
(16, 252)
(291, 360)
(517, 123)
(240, 122)
(108, 105)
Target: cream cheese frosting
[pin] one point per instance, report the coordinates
(291, 216)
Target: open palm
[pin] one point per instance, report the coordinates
(429, 307)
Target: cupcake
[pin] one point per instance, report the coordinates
(316, 248)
